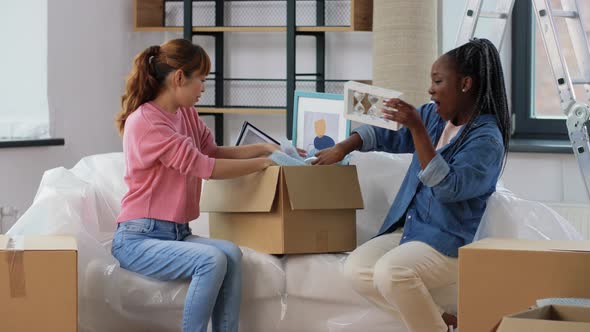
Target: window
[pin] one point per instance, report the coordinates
(24, 111)
(534, 96)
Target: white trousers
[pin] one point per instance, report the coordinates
(397, 278)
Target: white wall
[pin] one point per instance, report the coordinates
(90, 46)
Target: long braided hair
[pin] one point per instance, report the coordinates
(480, 60)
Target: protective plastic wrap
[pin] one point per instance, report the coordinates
(509, 216)
(290, 293)
(84, 202)
(380, 177)
(317, 290)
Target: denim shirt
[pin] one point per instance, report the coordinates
(441, 205)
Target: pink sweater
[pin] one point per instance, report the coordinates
(166, 157)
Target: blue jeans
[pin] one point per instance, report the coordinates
(168, 251)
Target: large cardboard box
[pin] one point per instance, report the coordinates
(38, 284)
(286, 210)
(503, 276)
(553, 318)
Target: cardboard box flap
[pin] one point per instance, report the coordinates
(38, 242)
(323, 187)
(572, 313)
(548, 318)
(251, 193)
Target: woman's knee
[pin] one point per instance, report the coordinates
(355, 274)
(213, 259)
(389, 276)
(234, 253)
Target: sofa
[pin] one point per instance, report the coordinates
(292, 293)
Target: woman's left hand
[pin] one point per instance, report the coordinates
(269, 148)
(406, 114)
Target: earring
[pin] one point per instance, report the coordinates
(464, 90)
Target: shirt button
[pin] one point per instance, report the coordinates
(409, 217)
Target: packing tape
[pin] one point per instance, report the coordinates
(16, 266)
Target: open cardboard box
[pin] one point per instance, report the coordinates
(286, 209)
(552, 318)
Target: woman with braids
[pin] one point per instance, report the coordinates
(459, 141)
(168, 151)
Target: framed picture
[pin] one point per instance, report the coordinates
(318, 120)
(363, 104)
(252, 135)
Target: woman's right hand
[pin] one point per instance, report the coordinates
(330, 156)
(267, 163)
(233, 168)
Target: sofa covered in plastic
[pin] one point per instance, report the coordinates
(295, 293)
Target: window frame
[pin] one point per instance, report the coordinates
(526, 125)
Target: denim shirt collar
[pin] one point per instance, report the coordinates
(479, 121)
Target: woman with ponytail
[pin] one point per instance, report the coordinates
(459, 141)
(168, 151)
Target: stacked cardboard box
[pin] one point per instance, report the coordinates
(503, 276)
(38, 284)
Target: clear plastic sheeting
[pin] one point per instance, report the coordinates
(84, 202)
(293, 293)
(509, 216)
(318, 291)
(380, 177)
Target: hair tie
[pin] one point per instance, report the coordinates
(478, 43)
(153, 51)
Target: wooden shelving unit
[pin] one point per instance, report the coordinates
(149, 15)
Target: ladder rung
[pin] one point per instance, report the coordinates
(580, 81)
(493, 15)
(565, 13)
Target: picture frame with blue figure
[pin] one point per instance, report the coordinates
(318, 120)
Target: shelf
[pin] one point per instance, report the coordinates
(241, 110)
(262, 94)
(325, 29)
(150, 15)
(292, 18)
(215, 29)
(248, 29)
